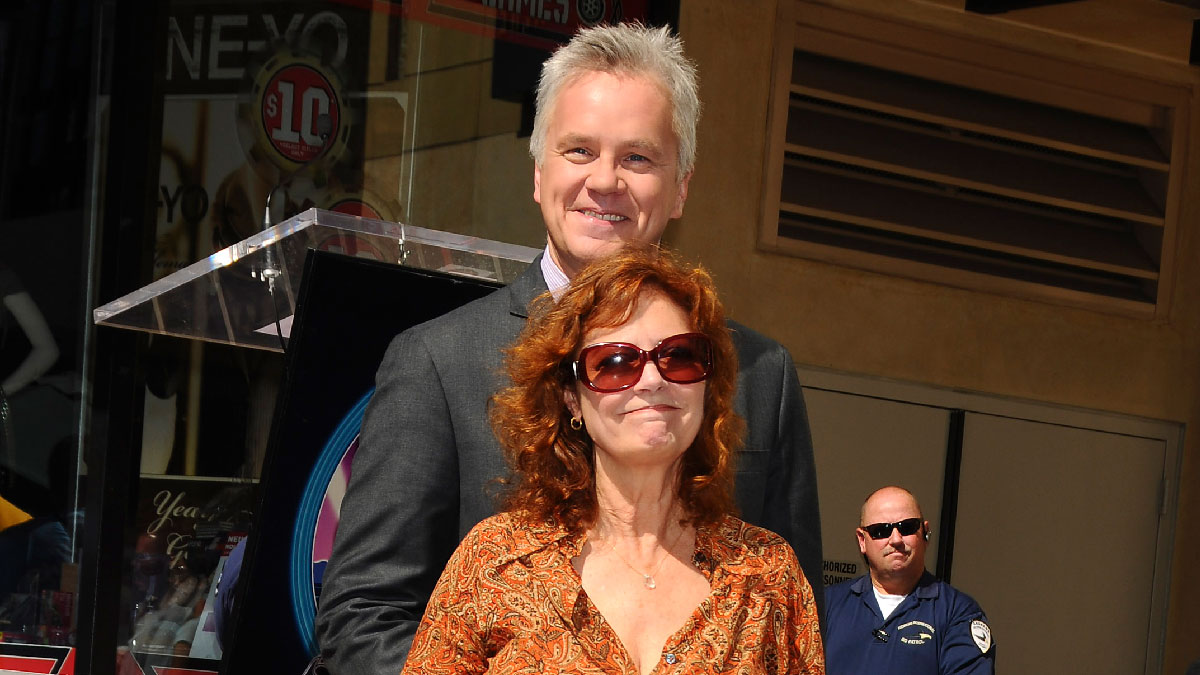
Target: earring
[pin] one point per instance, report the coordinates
(576, 423)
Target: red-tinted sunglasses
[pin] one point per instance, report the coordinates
(615, 366)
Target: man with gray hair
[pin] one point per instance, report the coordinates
(614, 143)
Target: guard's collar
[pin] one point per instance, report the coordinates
(926, 586)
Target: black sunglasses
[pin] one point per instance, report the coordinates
(884, 530)
(608, 367)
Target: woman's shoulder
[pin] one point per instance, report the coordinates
(508, 536)
(751, 542)
(735, 529)
(501, 528)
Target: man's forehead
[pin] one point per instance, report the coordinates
(889, 503)
(621, 77)
(577, 126)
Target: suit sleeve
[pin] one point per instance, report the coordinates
(962, 649)
(791, 506)
(399, 518)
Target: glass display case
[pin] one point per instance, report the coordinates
(245, 294)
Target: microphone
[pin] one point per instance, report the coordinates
(880, 635)
(325, 132)
(270, 270)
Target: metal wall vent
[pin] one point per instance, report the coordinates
(934, 180)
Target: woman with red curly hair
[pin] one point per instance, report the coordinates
(617, 551)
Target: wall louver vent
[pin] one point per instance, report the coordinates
(948, 181)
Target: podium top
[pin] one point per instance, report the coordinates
(227, 297)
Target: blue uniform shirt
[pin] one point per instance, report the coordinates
(935, 630)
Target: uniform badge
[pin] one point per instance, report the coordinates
(982, 635)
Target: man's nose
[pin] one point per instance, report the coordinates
(894, 537)
(605, 177)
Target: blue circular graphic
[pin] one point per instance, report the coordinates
(304, 605)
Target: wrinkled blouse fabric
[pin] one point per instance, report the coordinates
(509, 601)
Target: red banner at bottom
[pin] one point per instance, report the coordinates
(45, 659)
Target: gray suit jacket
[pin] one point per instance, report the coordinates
(425, 471)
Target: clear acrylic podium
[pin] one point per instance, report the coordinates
(236, 295)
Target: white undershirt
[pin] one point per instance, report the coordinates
(887, 603)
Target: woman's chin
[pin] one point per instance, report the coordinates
(652, 450)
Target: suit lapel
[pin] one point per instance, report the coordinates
(526, 287)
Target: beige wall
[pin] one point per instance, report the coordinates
(860, 322)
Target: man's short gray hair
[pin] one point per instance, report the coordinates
(624, 49)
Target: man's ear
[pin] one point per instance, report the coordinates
(681, 196)
(537, 183)
(862, 540)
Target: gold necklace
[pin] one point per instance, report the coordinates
(647, 579)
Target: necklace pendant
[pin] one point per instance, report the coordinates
(648, 582)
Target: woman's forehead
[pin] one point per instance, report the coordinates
(654, 312)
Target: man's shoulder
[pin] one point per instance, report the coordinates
(844, 589)
(483, 325)
(745, 337)
(960, 600)
(495, 303)
(756, 351)
(466, 335)
(952, 602)
(846, 611)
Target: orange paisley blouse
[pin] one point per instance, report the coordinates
(509, 601)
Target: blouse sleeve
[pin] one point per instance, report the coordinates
(808, 653)
(452, 635)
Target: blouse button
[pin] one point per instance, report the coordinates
(670, 659)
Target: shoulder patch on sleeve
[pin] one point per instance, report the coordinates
(982, 635)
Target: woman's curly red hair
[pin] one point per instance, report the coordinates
(554, 464)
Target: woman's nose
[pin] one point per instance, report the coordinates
(651, 379)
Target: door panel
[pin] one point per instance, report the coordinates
(1055, 537)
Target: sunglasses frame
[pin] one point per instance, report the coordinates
(579, 368)
(898, 525)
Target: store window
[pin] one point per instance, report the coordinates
(45, 75)
(411, 112)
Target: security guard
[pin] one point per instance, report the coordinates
(900, 618)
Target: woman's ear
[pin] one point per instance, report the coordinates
(572, 402)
